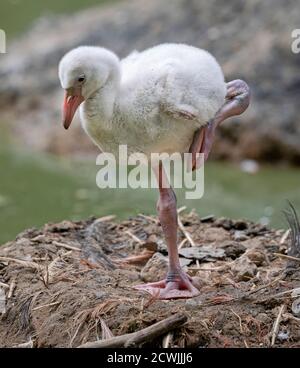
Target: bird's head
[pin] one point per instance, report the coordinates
(83, 71)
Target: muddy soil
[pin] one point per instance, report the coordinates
(70, 283)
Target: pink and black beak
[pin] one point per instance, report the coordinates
(73, 98)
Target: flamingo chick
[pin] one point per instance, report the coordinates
(169, 98)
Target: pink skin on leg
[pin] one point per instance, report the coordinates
(237, 101)
(177, 283)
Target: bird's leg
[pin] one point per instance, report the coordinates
(236, 102)
(177, 283)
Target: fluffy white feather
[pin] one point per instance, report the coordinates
(131, 101)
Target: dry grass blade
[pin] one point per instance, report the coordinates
(134, 237)
(289, 293)
(220, 299)
(218, 268)
(3, 285)
(138, 259)
(105, 218)
(153, 298)
(262, 287)
(182, 243)
(25, 309)
(90, 315)
(22, 263)
(285, 236)
(66, 246)
(149, 218)
(181, 209)
(185, 232)
(45, 305)
(240, 320)
(24, 345)
(276, 324)
(287, 257)
(12, 287)
(105, 330)
(2, 301)
(293, 221)
(167, 340)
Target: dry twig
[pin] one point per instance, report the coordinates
(105, 218)
(142, 336)
(276, 324)
(21, 262)
(66, 246)
(5, 286)
(105, 330)
(280, 255)
(45, 305)
(24, 345)
(149, 218)
(285, 236)
(185, 233)
(134, 237)
(167, 340)
(239, 318)
(12, 287)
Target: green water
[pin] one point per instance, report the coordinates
(35, 189)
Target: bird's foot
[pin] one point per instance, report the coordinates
(177, 286)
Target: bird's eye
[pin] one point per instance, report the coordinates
(81, 79)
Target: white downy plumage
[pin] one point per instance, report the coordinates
(139, 100)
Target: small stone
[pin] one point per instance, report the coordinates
(192, 304)
(257, 256)
(240, 236)
(225, 223)
(155, 269)
(264, 318)
(244, 269)
(207, 253)
(24, 242)
(99, 294)
(233, 249)
(283, 335)
(149, 245)
(296, 307)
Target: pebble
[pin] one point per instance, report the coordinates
(257, 256)
(233, 249)
(244, 269)
(264, 318)
(296, 307)
(283, 335)
(240, 236)
(192, 304)
(155, 269)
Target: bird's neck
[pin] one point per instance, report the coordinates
(99, 107)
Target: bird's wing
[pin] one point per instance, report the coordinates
(182, 111)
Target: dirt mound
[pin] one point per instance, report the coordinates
(70, 283)
(251, 40)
